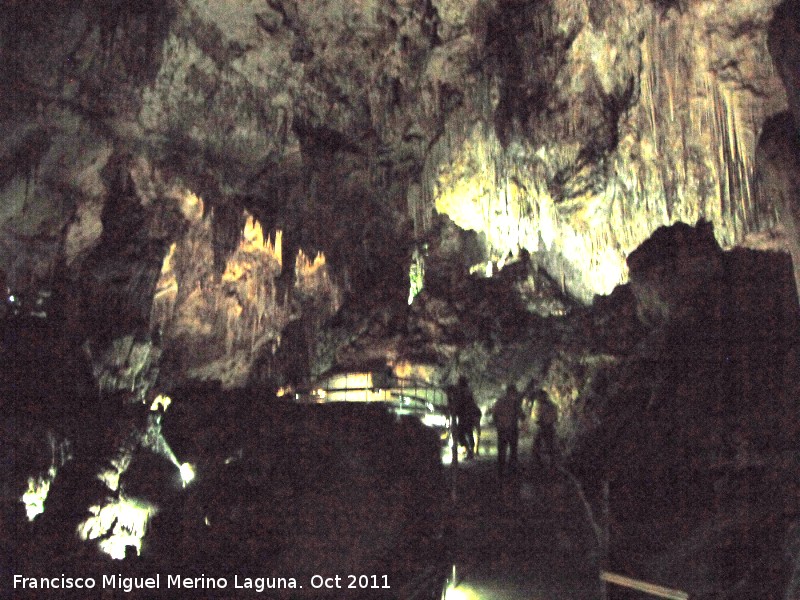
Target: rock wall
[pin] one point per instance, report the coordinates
(558, 127)
(693, 424)
(214, 325)
(610, 128)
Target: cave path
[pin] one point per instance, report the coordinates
(529, 538)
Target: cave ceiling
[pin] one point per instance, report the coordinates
(571, 129)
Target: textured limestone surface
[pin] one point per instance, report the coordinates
(571, 129)
(248, 192)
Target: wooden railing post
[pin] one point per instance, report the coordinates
(605, 536)
(643, 586)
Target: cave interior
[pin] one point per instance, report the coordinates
(217, 216)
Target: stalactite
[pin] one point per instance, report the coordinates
(685, 152)
(240, 312)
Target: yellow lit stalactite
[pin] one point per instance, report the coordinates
(685, 152)
(240, 313)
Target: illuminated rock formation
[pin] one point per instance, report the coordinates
(213, 326)
(249, 192)
(612, 137)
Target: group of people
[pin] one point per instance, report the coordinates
(507, 414)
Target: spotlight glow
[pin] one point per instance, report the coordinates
(36, 494)
(162, 401)
(187, 474)
(118, 523)
(456, 590)
(435, 420)
(460, 593)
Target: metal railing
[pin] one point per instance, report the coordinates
(396, 388)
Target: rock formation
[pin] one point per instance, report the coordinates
(244, 194)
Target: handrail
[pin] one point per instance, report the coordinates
(643, 586)
(413, 388)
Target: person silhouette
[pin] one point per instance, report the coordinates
(546, 415)
(507, 413)
(467, 414)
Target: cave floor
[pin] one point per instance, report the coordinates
(527, 537)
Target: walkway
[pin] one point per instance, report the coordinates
(529, 539)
